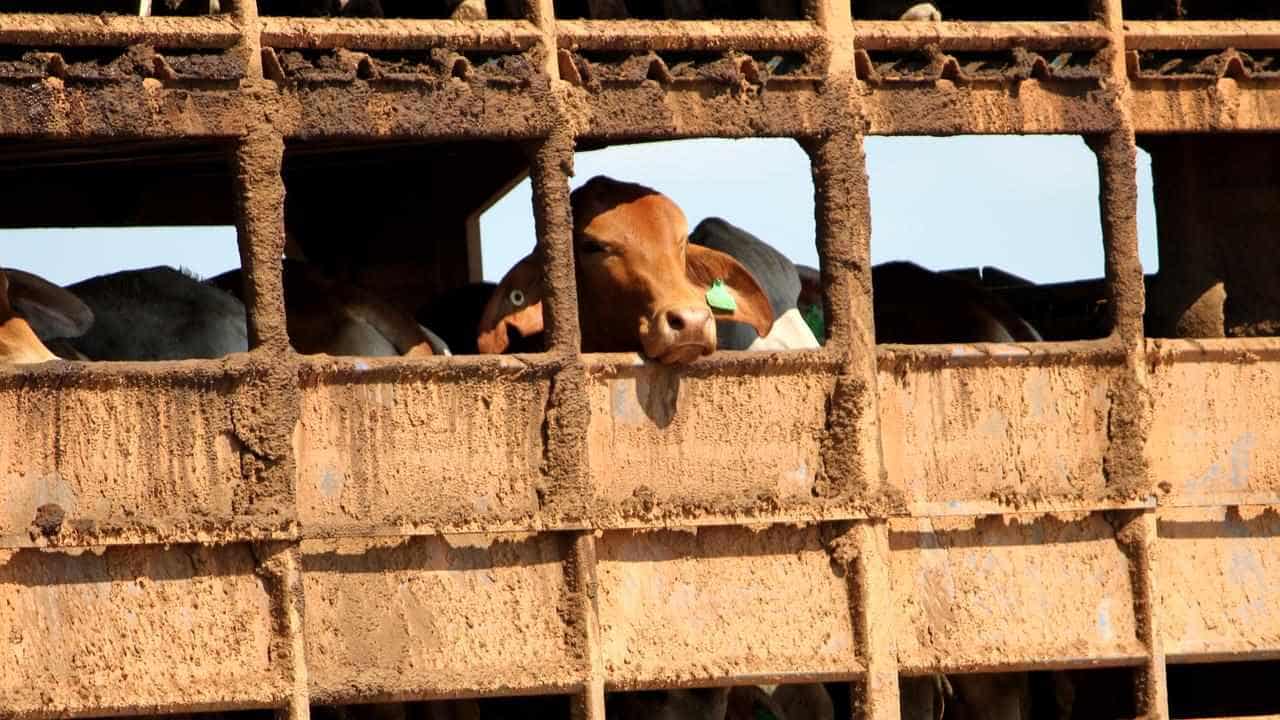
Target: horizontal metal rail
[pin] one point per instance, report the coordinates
(35, 29)
(1202, 34)
(370, 34)
(687, 35)
(980, 36)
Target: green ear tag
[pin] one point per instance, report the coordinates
(763, 713)
(814, 318)
(718, 297)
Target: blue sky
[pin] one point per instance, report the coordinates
(1026, 204)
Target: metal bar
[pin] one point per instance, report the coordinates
(37, 29)
(391, 34)
(980, 508)
(723, 362)
(438, 687)
(875, 617)
(589, 703)
(688, 35)
(1137, 535)
(280, 565)
(548, 173)
(980, 36)
(137, 534)
(1227, 350)
(1202, 34)
(1241, 717)
(139, 710)
(260, 230)
(779, 678)
(1217, 500)
(1107, 352)
(169, 533)
(1184, 657)
(1092, 662)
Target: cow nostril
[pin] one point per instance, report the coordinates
(675, 321)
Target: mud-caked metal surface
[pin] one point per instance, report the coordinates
(274, 531)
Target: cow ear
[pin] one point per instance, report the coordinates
(516, 304)
(51, 311)
(704, 266)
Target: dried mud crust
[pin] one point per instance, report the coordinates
(120, 64)
(678, 606)
(594, 70)
(452, 612)
(1204, 65)
(97, 628)
(1214, 564)
(931, 63)
(1000, 591)
(439, 65)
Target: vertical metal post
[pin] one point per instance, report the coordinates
(267, 403)
(851, 453)
(260, 226)
(589, 704)
(552, 159)
(245, 13)
(1125, 463)
(280, 565)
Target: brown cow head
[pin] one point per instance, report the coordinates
(514, 311)
(641, 285)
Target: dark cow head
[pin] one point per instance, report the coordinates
(32, 308)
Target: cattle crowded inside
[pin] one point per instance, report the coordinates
(689, 262)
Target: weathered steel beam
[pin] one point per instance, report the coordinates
(688, 35)
(1202, 34)
(392, 34)
(980, 36)
(36, 29)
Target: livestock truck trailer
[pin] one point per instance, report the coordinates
(272, 532)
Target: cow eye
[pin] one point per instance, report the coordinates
(591, 246)
(516, 297)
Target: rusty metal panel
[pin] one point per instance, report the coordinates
(962, 432)
(663, 436)
(701, 109)
(1219, 582)
(1212, 430)
(396, 34)
(996, 593)
(949, 108)
(425, 453)
(111, 457)
(436, 616)
(103, 630)
(684, 607)
(1171, 106)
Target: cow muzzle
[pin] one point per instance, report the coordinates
(680, 335)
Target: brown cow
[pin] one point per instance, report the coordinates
(30, 308)
(641, 286)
